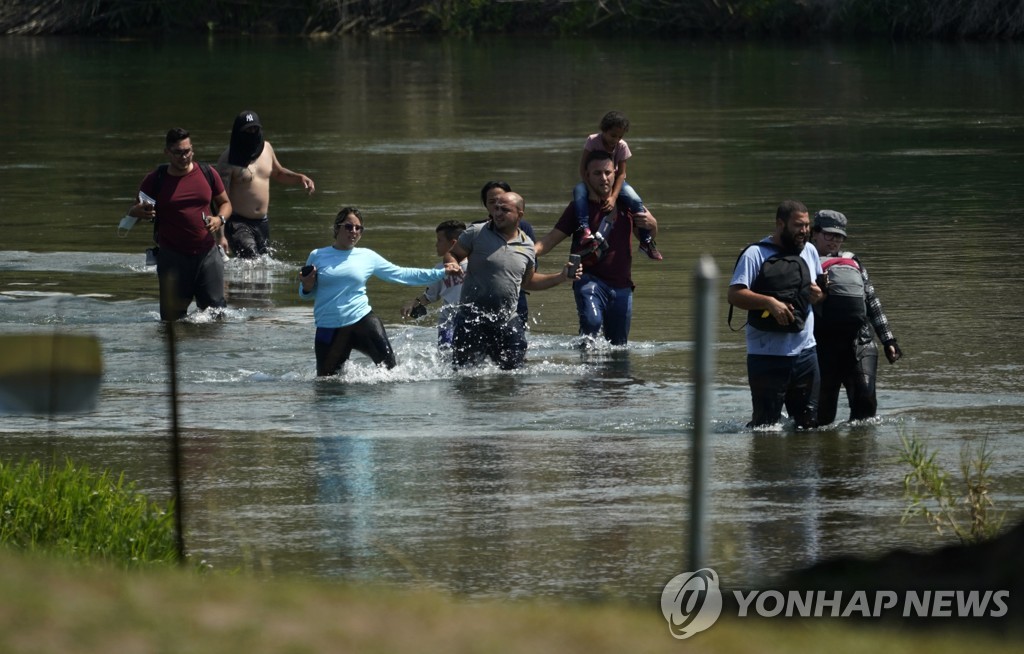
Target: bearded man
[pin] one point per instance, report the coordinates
(246, 168)
(782, 361)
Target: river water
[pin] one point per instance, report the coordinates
(569, 478)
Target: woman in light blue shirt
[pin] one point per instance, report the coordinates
(335, 277)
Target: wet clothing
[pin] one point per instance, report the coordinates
(340, 292)
(188, 252)
(248, 237)
(494, 275)
(340, 300)
(604, 293)
(333, 346)
(522, 308)
(790, 381)
(852, 363)
(245, 146)
(782, 367)
(488, 323)
(449, 291)
(599, 306)
(479, 334)
(183, 277)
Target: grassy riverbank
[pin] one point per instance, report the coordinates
(69, 511)
(981, 19)
(49, 606)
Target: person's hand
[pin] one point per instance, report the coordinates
(780, 311)
(892, 351)
(816, 293)
(822, 282)
(641, 219)
(609, 204)
(452, 268)
(143, 211)
(573, 275)
(214, 224)
(407, 307)
(308, 184)
(308, 280)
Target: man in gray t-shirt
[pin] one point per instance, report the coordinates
(501, 261)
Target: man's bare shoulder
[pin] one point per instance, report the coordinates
(265, 162)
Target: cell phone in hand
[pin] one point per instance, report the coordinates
(305, 270)
(574, 265)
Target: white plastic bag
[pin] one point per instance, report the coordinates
(128, 222)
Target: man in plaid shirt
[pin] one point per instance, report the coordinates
(848, 359)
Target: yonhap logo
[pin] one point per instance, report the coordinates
(691, 602)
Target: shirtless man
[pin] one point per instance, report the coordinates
(247, 167)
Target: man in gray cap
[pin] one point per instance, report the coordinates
(847, 355)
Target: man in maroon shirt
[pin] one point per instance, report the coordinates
(604, 294)
(191, 206)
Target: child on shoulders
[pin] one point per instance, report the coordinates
(614, 126)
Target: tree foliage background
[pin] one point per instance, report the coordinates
(977, 19)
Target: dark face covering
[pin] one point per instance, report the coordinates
(246, 142)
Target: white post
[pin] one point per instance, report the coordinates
(705, 282)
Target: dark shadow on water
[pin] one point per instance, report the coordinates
(329, 388)
(610, 373)
(801, 481)
(487, 389)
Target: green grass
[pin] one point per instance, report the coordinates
(69, 511)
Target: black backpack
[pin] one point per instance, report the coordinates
(844, 308)
(784, 277)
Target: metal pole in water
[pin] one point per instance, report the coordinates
(172, 369)
(705, 281)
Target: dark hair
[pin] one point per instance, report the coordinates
(788, 208)
(614, 119)
(343, 214)
(491, 185)
(175, 135)
(451, 229)
(596, 155)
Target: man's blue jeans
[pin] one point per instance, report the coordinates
(601, 306)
